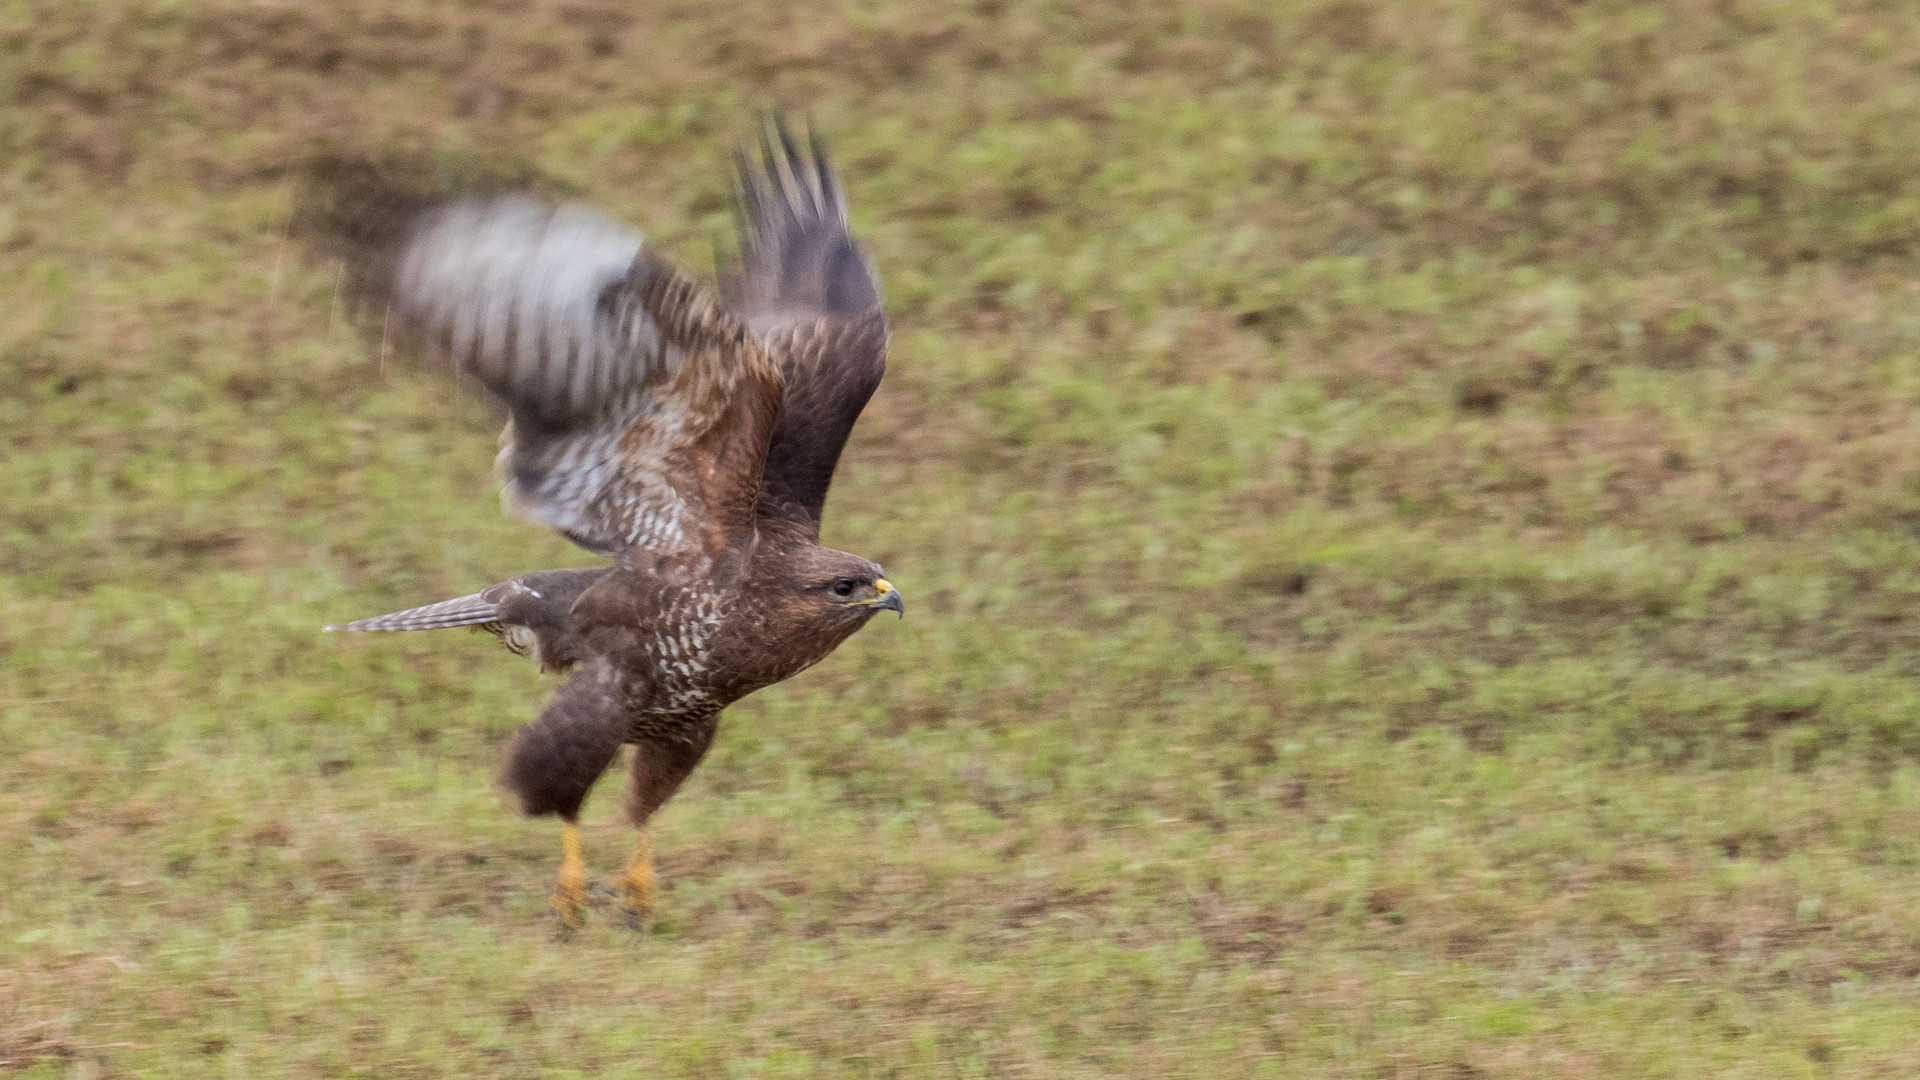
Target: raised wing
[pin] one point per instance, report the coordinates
(639, 412)
(806, 291)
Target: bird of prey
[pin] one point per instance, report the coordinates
(688, 435)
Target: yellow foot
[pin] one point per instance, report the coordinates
(636, 884)
(570, 890)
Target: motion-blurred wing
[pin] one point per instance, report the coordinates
(639, 412)
(808, 293)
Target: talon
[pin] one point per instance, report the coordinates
(638, 902)
(570, 898)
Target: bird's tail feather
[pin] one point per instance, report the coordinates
(461, 611)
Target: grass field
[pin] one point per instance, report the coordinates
(1410, 513)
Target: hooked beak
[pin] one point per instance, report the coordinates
(888, 598)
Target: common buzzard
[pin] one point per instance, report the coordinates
(690, 438)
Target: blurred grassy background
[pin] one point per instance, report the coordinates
(1409, 510)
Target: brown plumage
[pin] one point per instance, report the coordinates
(692, 438)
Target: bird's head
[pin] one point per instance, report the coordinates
(837, 591)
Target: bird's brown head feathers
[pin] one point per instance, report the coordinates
(799, 602)
(828, 590)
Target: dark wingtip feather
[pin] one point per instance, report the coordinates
(830, 190)
(790, 211)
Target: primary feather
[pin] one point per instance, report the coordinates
(804, 286)
(511, 288)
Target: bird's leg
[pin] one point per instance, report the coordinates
(570, 890)
(659, 766)
(637, 882)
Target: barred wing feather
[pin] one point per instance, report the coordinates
(638, 411)
(474, 610)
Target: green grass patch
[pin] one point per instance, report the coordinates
(1409, 512)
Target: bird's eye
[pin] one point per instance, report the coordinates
(843, 587)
